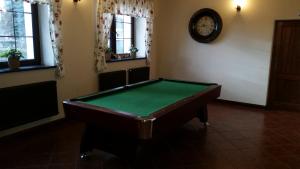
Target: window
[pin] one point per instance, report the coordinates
(126, 32)
(19, 30)
(122, 35)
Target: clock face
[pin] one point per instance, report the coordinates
(205, 26)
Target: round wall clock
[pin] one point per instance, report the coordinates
(205, 25)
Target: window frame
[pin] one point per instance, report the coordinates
(113, 33)
(36, 41)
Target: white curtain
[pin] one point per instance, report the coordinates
(55, 23)
(103, 28)
(134, 8)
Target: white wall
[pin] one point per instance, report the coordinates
(81, 77)
(239, 59)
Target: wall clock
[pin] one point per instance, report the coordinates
(205, 25)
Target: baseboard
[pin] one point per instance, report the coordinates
(241, 104)
(13, 132)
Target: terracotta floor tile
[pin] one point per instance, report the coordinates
(238, 137)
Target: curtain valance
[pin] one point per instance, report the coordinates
(38, 1)
(134, 8)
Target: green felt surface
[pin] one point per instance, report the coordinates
(144, 100)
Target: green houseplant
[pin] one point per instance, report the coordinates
(13, 57)
(108, 53)
(133, 50)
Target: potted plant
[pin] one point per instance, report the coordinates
(108, 53)
(133, 50)
(13, 58)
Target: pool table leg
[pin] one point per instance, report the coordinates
(141, 152)
(86, 145)
(203, 116)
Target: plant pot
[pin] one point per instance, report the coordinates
(133, 55)
(13, 62)
(107, 56)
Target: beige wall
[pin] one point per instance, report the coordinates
(80, 78)
(239, 59)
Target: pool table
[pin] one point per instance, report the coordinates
(140, 111)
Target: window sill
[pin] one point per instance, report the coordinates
(25, 68)
(124, 59)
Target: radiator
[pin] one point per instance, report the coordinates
(140, 74)
(27, 103)
(110, 80)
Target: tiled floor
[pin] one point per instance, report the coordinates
(238, 138)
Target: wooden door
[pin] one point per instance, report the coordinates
(284, 87)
